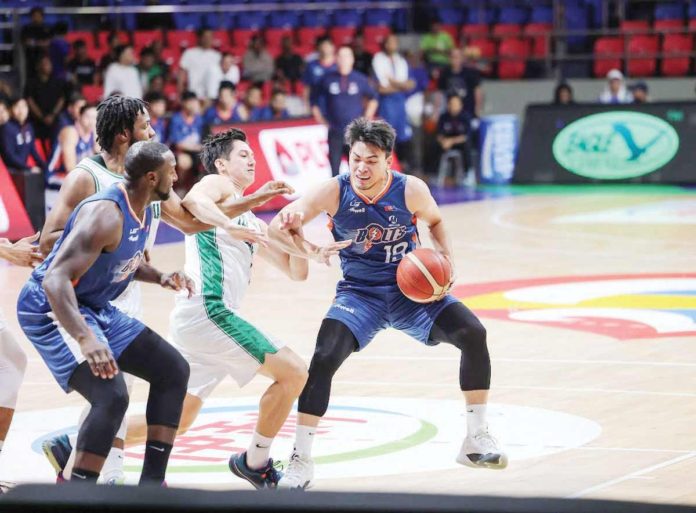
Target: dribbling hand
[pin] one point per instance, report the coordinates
(178, 281)
(99, 357)
(453, 278)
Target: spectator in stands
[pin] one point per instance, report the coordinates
(224, 110)
(35, 37)
(639, 91)
(226, 71)
(464, 81)
(289, 66)
(58, 49)
(615, 90)
(276, 109)
(76, 141)
(453, 137)
(17, 140)
(317, 68)
(257, 63)
(249, 109)
(563, 95)
(195, 63)
(363, 58)
(157, 105)
(436, 46)
(393, 84)
(122, 76)
(114, 44)
(71, 113)
(46, 98)
(4, 111)
(342, 93)
(148, 68)
(81, 69)
(185, 135)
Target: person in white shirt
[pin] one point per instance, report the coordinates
(195, 63)
(122, 76)
(227, 71)
(615, 91)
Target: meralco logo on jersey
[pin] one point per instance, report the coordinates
(377, 234)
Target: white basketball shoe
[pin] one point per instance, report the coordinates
(299, 473)
(481, 450)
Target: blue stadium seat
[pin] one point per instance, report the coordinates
(596, 12)
(669, 11)
(251, 20)
(481, 15)
(283, 19)
(187, 20)
(692, 9)
(541, 14)
(450, 15)
(576, 18)
(379, 17)
(517, 15)
(215, 20)
(315, 19)
(347, 18)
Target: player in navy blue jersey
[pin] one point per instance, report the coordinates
(65, 310)
(377, 209)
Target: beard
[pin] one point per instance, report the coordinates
(163, 196)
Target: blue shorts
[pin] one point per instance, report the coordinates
(58, 349)
(368, 310)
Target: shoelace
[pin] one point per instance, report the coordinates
(272, 473)
(487, 440)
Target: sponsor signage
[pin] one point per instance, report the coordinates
(14, 221)
(498, 148)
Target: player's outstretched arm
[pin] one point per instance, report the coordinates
(98, 227)
(78, 185)
(23, 252)
(296, 268)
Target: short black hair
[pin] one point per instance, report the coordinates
(79, 43)
(122, 48)
(154, 96)
(188, 95)
(75, 96)
(226, 84)
(86, 107)
(115, 115)
(219, 146)
(14, 100)
(322, 39)
(144, 157)
(377, 133)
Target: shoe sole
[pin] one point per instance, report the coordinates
(237, 472)
(46, 448)
(308, 484)
(503, 463)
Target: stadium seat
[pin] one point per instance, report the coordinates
(342, 35)
(541, 14)
(308, 35)
(540, 42)
(143, 38)
(646, 47)
(480, 14)
(347, 18)
(250, 20)
(319, 19)
(608, 52)
(668, 25)
(669, 11)
(219, 20)
(452, 16)
(474, 31)
(103, 38)
(283, 19)
(486, 47)
(380, 17)
(513, 53)
(171, 93)
(274, 36)
(576, 18)
(187, 20)
(507, 29)
(692, 25)
(181, 38)
(171, 56)
(691, 12)
(452, 30)
(96, 54)
(676, 61)
(375, 35)
(93, 93)
(241, 38)
(84, 35)
(518, 15)
(634, 26)
(221, 39)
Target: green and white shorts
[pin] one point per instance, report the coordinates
(216, 342)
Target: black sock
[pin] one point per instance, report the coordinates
(81, 475)
(155, 464)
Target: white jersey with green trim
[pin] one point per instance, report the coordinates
(130, 302)
(219, 264)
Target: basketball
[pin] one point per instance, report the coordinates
(423, 275)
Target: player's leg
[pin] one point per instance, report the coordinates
(458, 326)
(151, 358)
(13, 363)
(137, 424)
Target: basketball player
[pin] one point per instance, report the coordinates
(13, 361)
(377, 209)
(207, 329)
(121, 121)
(65, 311)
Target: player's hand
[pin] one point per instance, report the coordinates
(100, 358)
(250, 235)
(323, 254)
(178, 281)
(291, 221)
(23, 252)
(271, 189)
(453, 278)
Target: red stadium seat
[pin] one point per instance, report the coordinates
(304, 50)
(144, 38)
(274, 36)
(241, 38)
(668, 25)
(477, 31)
(95, 54)
(171, 93)
(84, 35)
(513, 53)
(375, 35)
(507, 29)
(645, 47)
(181, 38)
(452, 30)
(309, 35)
(485, 46)
(608, 52)
(103, 38)
(93, 93)
(342, 35)
(221, 39)
(537, 32)
(676, 60)
(634, 26)
(171, 56)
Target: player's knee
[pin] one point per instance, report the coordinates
(115, 402)
(471, 337)
(297, 378)
(179, 376)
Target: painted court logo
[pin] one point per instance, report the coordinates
(623, 306)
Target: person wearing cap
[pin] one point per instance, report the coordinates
(615, 91)
(640, 92)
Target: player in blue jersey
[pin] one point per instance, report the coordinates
(65, 311)
(377, 209)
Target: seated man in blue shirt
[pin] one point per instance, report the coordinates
(17, 140)
(342, 93)
(275, 110)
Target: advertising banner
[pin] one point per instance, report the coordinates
(651, 143)
(498, 148)
(14, 221)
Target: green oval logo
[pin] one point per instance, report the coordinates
(615, 145)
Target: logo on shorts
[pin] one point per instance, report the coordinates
(623, 307)
(344, 308)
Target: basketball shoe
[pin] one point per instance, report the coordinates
(299, 474)
(266, 477)
(57, 450)
(481, 450)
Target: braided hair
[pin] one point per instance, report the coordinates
(115, 115)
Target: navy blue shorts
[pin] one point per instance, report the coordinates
(368, 310)
(58, 349)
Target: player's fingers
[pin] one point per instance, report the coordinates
(112, 367)
(31, 238)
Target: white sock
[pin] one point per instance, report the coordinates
(304, 438)
(258, 451)
(113, 465)
(475, 418)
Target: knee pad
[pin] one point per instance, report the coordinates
(13, 363)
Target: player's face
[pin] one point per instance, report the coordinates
(166, 176)
(240, 164)
(142, 131)
(368, 165)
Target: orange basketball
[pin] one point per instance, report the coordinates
(423, 275)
